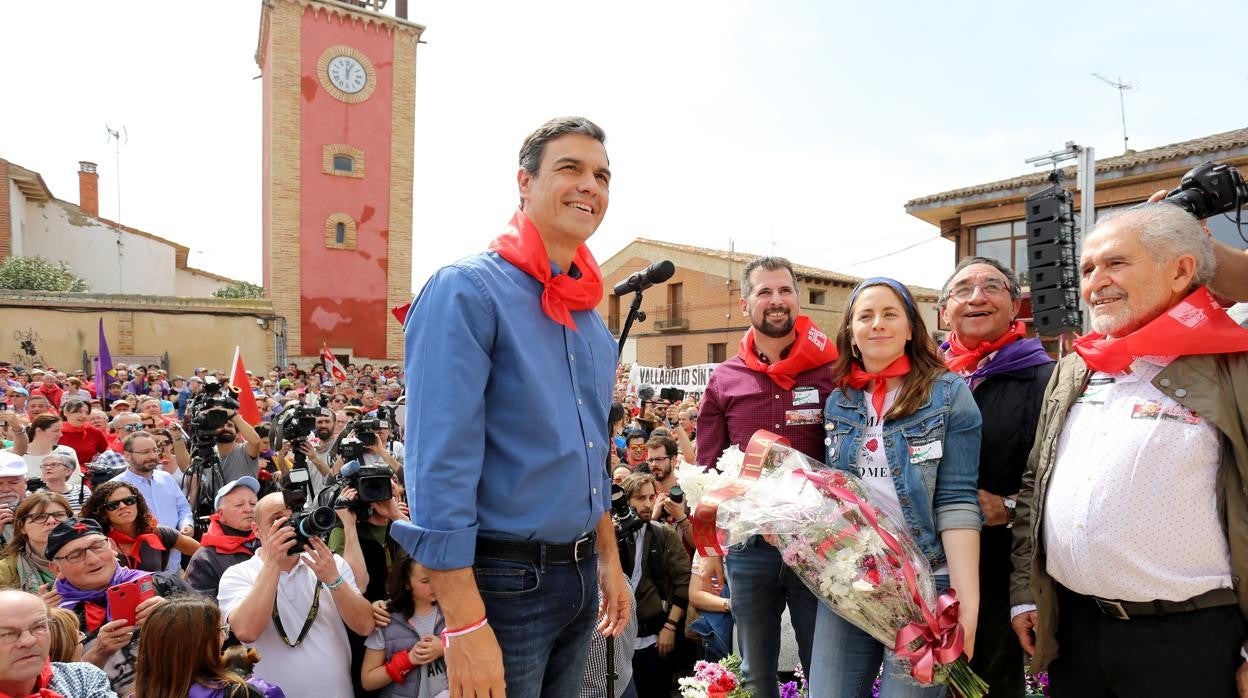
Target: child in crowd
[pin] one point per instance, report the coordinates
(404, 653)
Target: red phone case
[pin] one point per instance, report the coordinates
(124, 599)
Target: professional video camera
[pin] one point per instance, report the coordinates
(294, 424)
(361, 433)
(1208, 189)
(623, 516)
(315, 523)
(207, 412)
(371, 483)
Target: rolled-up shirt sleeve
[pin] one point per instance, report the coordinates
(448, 340)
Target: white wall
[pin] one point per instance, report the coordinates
(188, 283)
(137, 265)
(17, 218)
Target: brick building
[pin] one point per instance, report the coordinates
(987, 219)
(696, 316)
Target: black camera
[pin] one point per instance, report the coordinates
(623, 516)
(316, 523)
(210, 410)
(294, 424)
(371, 482)
(34, 484)
(359, 436)
(1208, 189)
(676, 494)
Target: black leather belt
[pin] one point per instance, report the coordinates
(1125, 610)
(535, 552)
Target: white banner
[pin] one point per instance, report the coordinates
(691, 379)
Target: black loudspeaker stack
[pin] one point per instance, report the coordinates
(1052, 267)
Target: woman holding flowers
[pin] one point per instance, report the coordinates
(910, 429)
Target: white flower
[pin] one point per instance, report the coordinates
(696, 481)
(862, 585)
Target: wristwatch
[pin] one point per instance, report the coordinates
(1010, 503)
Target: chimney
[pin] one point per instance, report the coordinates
(88, 188)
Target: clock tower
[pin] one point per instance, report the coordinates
(339, 120)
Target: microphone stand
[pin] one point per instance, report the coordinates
(634, 313)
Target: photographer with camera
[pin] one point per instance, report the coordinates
(658, 569)
(294, 605)
(669, 502)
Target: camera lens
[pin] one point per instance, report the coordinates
(676, 494)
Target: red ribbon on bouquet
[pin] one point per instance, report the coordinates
(705, 533)
(940, 636)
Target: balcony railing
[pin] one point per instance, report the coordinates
(671, 317)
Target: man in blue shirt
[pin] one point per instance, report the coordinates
(507, 519)
(164, 496)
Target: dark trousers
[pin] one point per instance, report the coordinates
(652, 674)
(998, 658)
(1189, 654)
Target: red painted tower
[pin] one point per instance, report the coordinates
(339, 121)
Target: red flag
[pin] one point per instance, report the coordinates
(246, 397)
(335, 369)
(400, 312)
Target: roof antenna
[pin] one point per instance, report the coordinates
(1122, 88)
(118, 138)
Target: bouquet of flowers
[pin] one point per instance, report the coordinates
(714, 680)
(855, 556)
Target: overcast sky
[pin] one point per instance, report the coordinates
(799, 128)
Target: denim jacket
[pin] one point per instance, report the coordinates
(936, 484)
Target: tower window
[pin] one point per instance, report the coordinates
(342, 160)
(340, 232)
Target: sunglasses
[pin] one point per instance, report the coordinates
(119, 503)
(133, 427)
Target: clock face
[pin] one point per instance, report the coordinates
(347, 74)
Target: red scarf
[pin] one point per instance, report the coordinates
(523, 247)
(135, 543)
(1196, 325)
(959, 358)
(859, 377)
(217, 539)
(811, 349)
(41, 686)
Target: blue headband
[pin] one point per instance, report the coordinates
(902, 292)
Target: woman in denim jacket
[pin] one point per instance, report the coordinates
(921, 460)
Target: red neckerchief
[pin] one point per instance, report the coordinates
(1196, 325)
(134, 554)
(217, 539)
(94, 614)
(41, 686)
(859, 377)
(811, 349)
(959, 358)
(523, 247)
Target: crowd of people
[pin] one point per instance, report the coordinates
(532, 538)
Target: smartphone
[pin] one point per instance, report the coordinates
(124, 599)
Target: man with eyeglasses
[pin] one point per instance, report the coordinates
(663, 457)
(25, 648)
(1007, 373)
(12, 491)
(85, 564)
(162, 492)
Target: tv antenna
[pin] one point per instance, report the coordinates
(118, 137)
(1122, 88)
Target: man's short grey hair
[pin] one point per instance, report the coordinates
(1167, 232)
(535, 144)
(63, 460)
(1016, 291)
(116, 421)
(768, 263)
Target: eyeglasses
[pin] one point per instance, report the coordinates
(988, 288)
(97, 548)
(144, 452)
(652, 461)
(9, 636)
(119, 503)
(57, 516)
(132, 427)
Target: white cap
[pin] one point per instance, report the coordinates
(245, 481)
(12, 465)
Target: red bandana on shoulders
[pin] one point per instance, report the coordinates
(41, 686)
(522, 246)
(217, 539)
(960, 358)
(132, 546)
(811, 349)
(859, 377)
(1196, 325)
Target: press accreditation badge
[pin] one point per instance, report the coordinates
(797, 418)
(1098, 388)
(805, 395)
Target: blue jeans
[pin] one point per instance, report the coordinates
(761, 586)
(542, 616)
(849, 659)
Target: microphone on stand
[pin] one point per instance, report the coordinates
(639, 281)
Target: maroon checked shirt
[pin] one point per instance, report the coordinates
(739, 401)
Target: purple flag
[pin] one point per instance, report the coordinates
(103, 366)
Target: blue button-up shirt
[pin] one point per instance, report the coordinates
(506, 415)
